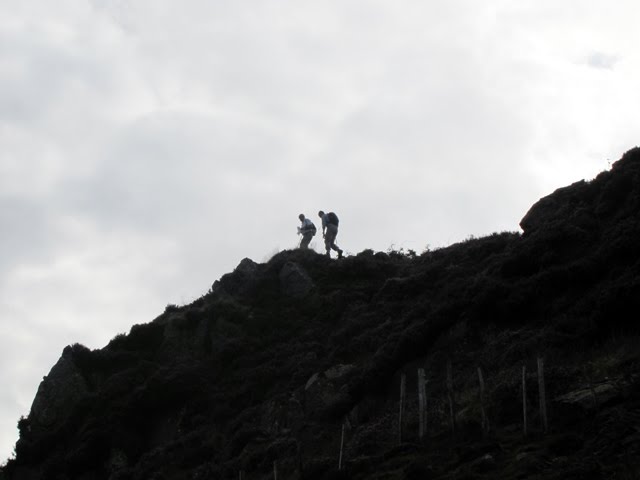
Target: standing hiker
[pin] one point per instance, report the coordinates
(307, 229)
(330, 232)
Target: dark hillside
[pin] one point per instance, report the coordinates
(268, 369)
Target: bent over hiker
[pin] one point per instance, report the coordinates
(307, 229)
(330, 232)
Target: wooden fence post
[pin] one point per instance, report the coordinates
(450, 396)
(485, 420)
(341, 448)
(299, 459)
(543, 400)
(403, 382)
(589, 378)
(422, 403)
(524, 400)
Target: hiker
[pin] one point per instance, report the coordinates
(307, 229)
(330, 232)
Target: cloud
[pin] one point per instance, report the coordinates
(25, 230)
(149, 146)
(602, 60)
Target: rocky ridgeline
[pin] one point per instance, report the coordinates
(304, 367)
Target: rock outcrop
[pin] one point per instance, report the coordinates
(57, 395)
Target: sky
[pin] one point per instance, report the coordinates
(148, 146)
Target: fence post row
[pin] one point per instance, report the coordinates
(423, 410)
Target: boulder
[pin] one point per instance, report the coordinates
(57, 394)
(568, 210)
(242, 281)
(588, 398)
(585, 206)
(576, 405)
(326, 393)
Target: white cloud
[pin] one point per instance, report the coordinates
(602, 60)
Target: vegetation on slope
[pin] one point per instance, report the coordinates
(277, 357)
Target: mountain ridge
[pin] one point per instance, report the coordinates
(268, 368)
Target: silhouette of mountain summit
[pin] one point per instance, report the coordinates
(305, 367)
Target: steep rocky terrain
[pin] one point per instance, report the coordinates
(282, 363)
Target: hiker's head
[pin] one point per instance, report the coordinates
(301, 217)
(321, 214)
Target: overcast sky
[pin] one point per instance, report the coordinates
(147, 146)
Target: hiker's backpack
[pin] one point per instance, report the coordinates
(308, 227)
(332, 219)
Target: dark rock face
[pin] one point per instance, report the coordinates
(588, 207)
(283, 363)
(241, 281)
(58, 393)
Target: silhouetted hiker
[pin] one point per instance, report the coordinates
(330, 232)
(307, 229)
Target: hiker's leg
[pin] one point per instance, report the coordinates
(337, 249)
(334, 234)
(329, 237)
(306, 240)
(334, 245)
